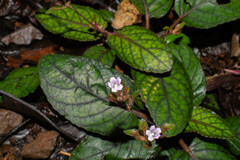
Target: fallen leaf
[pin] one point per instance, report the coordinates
(235, 45)
(237, 71)
(31, 55)
(126, 15)
(23, 36)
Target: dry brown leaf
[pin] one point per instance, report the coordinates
(126, 15)
(235, 45)
(118, 68)
(31, 55)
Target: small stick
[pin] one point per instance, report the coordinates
(65, 153)
(187, 149)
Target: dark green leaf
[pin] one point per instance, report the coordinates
(209, 151)
(101, 54)
(168, 98)
(131, 132)
(166, 153)
(139, 104)
(20, 82)
(193, 67)
(204, 151)
(73, 23)
(207, 13)
(141, 49)
(180, 155)
(77, 88)
(156, 8)
(213, 104)
(92, 148)
(209, 124)
(234, 144)
(107, 15)
(180, 38)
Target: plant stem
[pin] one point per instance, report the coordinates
(180, 18)
(141, 115)
(146, 15)
(187, 149)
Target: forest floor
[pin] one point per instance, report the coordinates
(23, 41)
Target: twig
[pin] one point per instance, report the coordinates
(65, 153)
(187, 149)
(30, 110)
(146, 15)
(20, 126)
(180, 18)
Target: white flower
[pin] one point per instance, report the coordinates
(153, 133)
(115, 84)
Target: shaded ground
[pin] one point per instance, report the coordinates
(24, 41)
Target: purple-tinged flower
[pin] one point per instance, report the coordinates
(115, 84)
(153, 133)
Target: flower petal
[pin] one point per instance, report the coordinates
(112, 79)
(150, 138)
(118, 80)
(148, 133)
(152, 128)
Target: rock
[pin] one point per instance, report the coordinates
(41, 147)
(9, 120)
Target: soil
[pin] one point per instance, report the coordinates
(25, 134)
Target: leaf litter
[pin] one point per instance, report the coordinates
(224, 85)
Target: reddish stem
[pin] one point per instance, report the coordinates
(187, 149)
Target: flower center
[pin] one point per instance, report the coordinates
(115, 85)
(152, 134)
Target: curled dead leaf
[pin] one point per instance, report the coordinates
(127, 14)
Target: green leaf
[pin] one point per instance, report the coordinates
(194, 69)
(204, 151)
(207, 13)
(73, 23)
(139, 104)
(107, 15)
(156, 8)
(208, 151)
(77, 88)
(168, 98)
(180, 155)
(92, 148)
(208, 123)
(143, 125)
(213, 104)
(234, 144)
(101, 54)
(131, 132)
(166, 153)
(20, 82)
(141, 49)
(180, 38)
